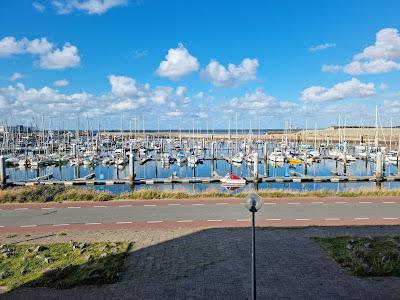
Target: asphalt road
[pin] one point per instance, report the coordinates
(209, 213)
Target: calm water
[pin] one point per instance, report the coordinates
(155, 169)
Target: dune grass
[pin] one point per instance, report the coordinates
(365, 256)
(62, 265)
(44, 193)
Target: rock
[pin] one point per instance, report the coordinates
(4, 275)
(2, 247)
(29, 250)
(40, 248)
(114, 251)
(48, 260)
(104, 248)
(82, 250)
(7, 254)
(349, 246)
(4, 250)
(39, 256)
(104, 254)
(113, 244)
(90, 257)
(83, 245)
(24, 271)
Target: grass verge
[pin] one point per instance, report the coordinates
(365, 256)
(43, 193)
(61, 265)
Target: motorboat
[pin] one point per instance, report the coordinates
(232, 179)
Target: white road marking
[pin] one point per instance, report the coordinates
(27, 226)
(317, 202)
(21, 208)
(94, 223)
(393, 218)
(48, 208)
(126, 205)
(293, 203)
(185, 221)
(60, 224)
(388, 202)
(214, 220)
(150, 222)
(73, 207)
(364, 202)
(341, 202)
(222, 203)
(269, 203)
(243, 220)
(197, 204)
(1, 226)
(273, 219)
(332, 219)
(125, 222)
(361, 218)
(303, 219)
(174, 204)
(100, 206)
(150, 205)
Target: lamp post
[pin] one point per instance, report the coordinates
(253, 204)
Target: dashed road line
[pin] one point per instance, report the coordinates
(318, 202)
(93, 223)
(269, 203)
(48, 208)
(303, 219)
(364, 202)
(390, 218)
(197, 204)
(332, 219)
(27, 226)
(125, 205)
(174, 204)
(273, 219)
(150, 205)
(21, 208)
(341, 202)
(65, 224)
(157, 221)
(185, 221)
(243, 220)
(214, 220)
(361, 218)
(100, 206)
(74, 207)
(388, 202)
(293, 203)
(222, 203)
(124, 222)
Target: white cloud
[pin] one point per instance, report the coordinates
(49, 56)
(348, 89)
(256, 101)
(61, 82)
(123, 86)
(387, 46)
(39, 6)
(375, 59)
(16, 76)
(180, 90)
(321, 47)
(199, 95)
(233, 75)
(91, 7)
(383, 86)
(178, 63)
(59, 59)
(174, 114)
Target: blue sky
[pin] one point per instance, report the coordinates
(169, 60)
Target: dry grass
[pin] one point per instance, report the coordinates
(42, 193)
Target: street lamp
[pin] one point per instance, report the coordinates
(253, 204)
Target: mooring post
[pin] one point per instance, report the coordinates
(378, 167)
(131, 167)
(265, 150)
(255, 162)
(3, 176)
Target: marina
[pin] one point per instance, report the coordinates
(337, 158)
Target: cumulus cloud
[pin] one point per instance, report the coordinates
(232, 75)
(49, 56)
(348, 89)
(378, 58)
(178, 63)
(16, 76)
(59, 59)
(199, 95)
(321, 47)
(180, 90)
(91, 7)
(61, 82)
